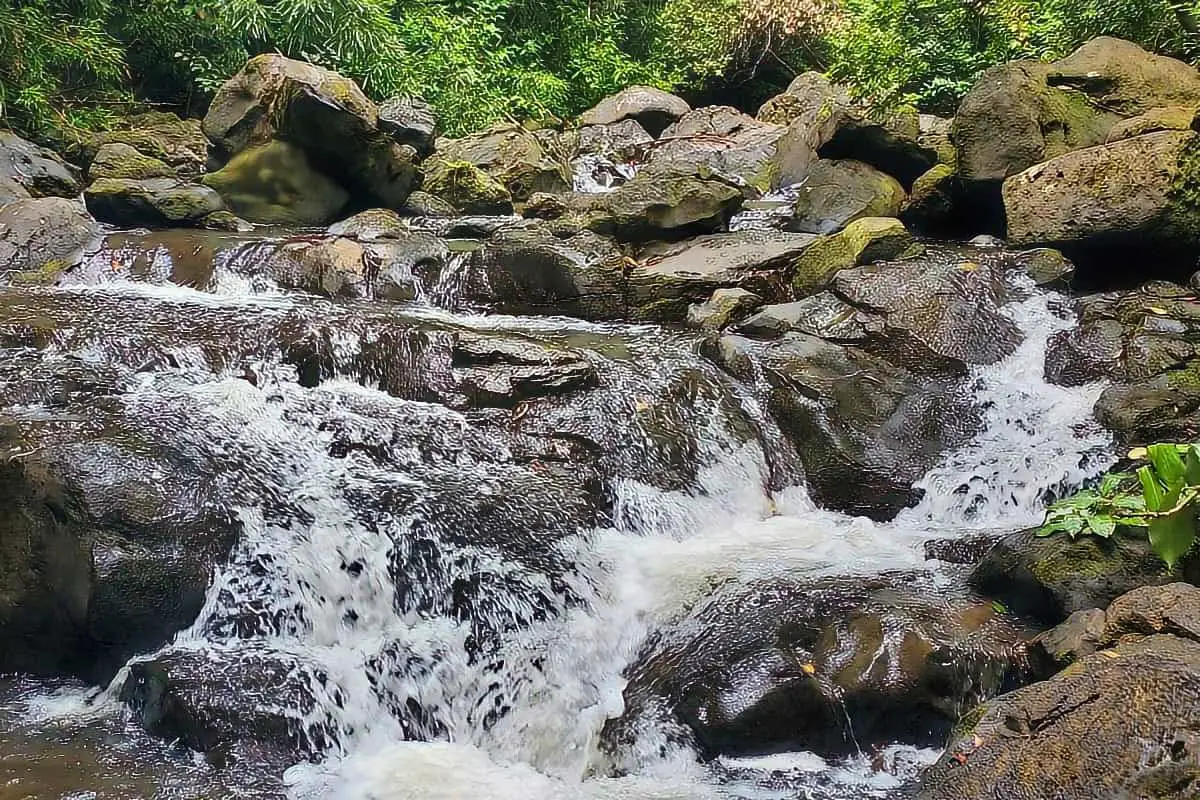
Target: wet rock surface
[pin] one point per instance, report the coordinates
(826, 665)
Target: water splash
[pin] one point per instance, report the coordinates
(596, 174)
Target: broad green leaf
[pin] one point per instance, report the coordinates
(1102, 526)
(1191, 461)
(1110, 484)
(1152, 491)
(1167, 463)
(1172, 536)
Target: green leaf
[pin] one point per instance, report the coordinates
(1172, 536)
(1167, 463)
(1191, 462)
(1112, 483)
(999, 607)
(1152, 491)
(1102, 526)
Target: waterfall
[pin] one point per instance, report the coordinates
(347, 561)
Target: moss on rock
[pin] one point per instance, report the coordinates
(863, 241)
(275, 184)
(467, 187)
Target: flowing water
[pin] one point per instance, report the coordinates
(314, 582)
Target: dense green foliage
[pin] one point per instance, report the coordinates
(478, 61)
(1161, 497)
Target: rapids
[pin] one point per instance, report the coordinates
(502, 697)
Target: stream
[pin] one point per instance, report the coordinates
(422, 625)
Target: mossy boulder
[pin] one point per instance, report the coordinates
(1101, 204)
(157, 202)
(651, 108)
(836, 193)
(466, 187)
(837, 127)
(372, 224)
(322, 113)
(44, 236)
(178, 143)
(1050, 578)
(34, 171)
(275, 183)
(1119, 723)
(722, 309)
(122, 161)
(863, 241)
(520, 160)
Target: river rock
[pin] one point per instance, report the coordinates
(467, 188)
(544, 205)
(515, 157)
(160, 202)
(122, 162)
(248, 708)
(41, 238)
(1050, 578)
(110, 546)
(865, 429)
(372, 224)
(651, 108)
(1171, 118)
(836, 193)
(669, 277)
(275, 184)
(179, 143)
(724, 307)
(934, 133)
(625, 141)
(731, 144)
(1069, 738)
(934, 205)
(1106, 201)
(1173, 608)
(836, 127)
(37, 171)
(863, 241)
(410, 121)
(385, 268)
(322, 113)
(424, 204)
(663, 201)
(826, 665)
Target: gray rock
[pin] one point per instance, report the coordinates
(836, 193)
(153, 202)
(410, 121)
(38, 171)
(44, 237)
(724, 307)
(651, 108)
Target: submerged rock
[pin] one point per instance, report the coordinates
(827, 665)
(1118, 723)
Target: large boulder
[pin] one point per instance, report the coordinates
(837, 127)
(109, 545)
(1026, 112)
(275, 184)
(324, 114)
(651, 108)
(1103, 203)
(626, 141)
(1119, 723)
(157, 202)
(520, 160)
(35, 171)
(826, 665)
(178, 143)
(836, 193)
(41, 238)
(866, 429)
(663, 201)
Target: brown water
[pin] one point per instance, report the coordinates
(52, 748)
